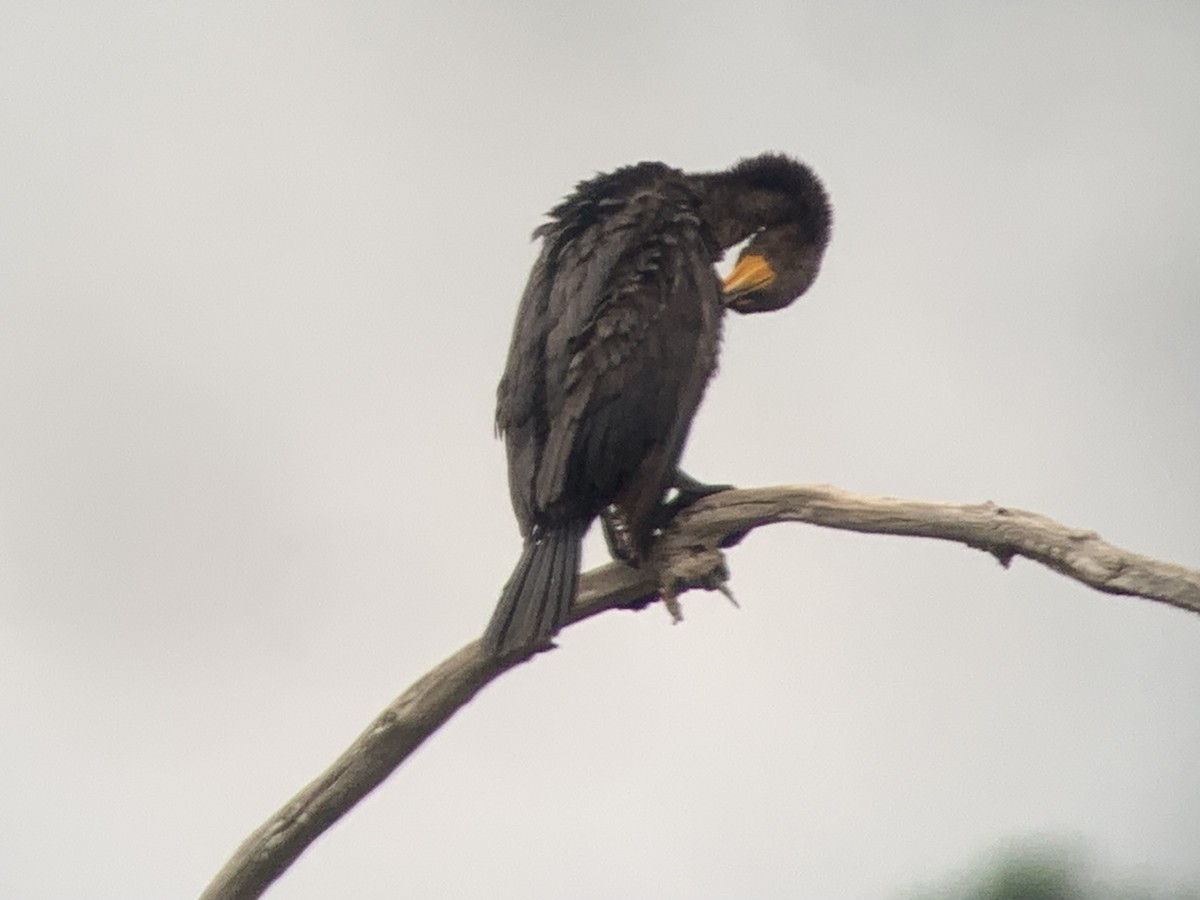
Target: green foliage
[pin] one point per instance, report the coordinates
(1046, 872)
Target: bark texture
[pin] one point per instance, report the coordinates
(688, 555)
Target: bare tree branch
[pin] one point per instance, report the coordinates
(688, 555)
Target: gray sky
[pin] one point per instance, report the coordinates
(258, 266)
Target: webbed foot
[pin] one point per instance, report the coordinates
(687, 491)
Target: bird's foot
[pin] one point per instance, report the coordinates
(617, 535)
(687, 491)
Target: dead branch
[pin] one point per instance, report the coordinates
(687, 556)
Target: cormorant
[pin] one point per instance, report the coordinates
(615, 339)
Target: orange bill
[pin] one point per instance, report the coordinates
(751, 273)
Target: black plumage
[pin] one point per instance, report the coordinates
(615, 339)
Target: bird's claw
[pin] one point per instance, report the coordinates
(687, 491)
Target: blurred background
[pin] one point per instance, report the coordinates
(258, 269)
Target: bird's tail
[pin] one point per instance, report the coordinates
(537, 598)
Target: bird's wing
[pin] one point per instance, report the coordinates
(570, 282)
(517, 393)
(634, 313)
(520, 407)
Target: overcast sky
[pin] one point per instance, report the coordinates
(258, 267)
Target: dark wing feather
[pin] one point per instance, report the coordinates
(615, 339)
(520, 397)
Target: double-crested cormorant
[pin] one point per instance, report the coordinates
(615, 339)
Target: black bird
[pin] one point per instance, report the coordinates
(615, 339)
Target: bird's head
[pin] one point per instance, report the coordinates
(781, 206)
(775, 267)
